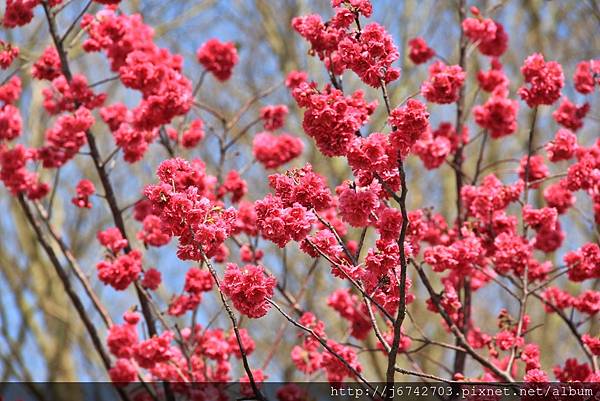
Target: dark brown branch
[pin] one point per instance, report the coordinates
(74, 266)
(460, 357)
(236, 330)
(64, 278)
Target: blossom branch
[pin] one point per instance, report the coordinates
(234, 324)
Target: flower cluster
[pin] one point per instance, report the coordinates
(8, 53)
(18, 12)
(16, 177)
(120, 272)
(444, 83)
(371, 55)
(249, 288)
(498, 115)
(84, 189)
(281, 224)
(570, 115)
(181, 202)
(193, 135)
(66, 95)
(273, 116)
(66, 137)
(369, 52)
(545, 79)
(587, 76)
(142, 65)
(331, 118)
(47, 66)
(273, 151)
(419, 51)
(489, 35)
(409, 122)
(217, 57)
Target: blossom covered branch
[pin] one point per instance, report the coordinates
(257, 252)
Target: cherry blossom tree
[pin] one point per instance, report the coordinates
(228, 244)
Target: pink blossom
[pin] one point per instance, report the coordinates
(249, 289)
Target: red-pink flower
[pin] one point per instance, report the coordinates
(112, 239)
(249, 288)
(306, 360)
(273, 116)
(588, 302)
(558, 298)
(444, 83)
(336, 370)
(545, 79)
(67, 95)
(586, 76)
(18, 12)
(563, 146)
(584, 263)
(295, 78)
(10, 122)
(531, 356)
(593, 343)
(281, 224)
(141, 65)
(362, 6)
(121, 339)
(419, 51)
(352, 309)
(571, 115)
(193, 135)
(573, 371)
(11, 91)
(498, 115)
(16, 177)
(198, 280)
(559, 196)
(302, 186)
(409, 122)
(493, 78)
(273, 151)
(536, 376)
(121, 272)
(533, 169)
(152, 279)
(507, 339)
(489, 34)
(372, 153)
(540, 218)
(246, 340)
(483, 200)
(154, 350)
(154, 232)
(371, 55)
(332, 119)
(234, 185)
(66, 137)
(84, 189)
(433, 148)
(8, 53)
(48, 65)
(218, 57)
(123, 371)
(357, 204)
(182, 202)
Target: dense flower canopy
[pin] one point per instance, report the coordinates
(245, 221)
